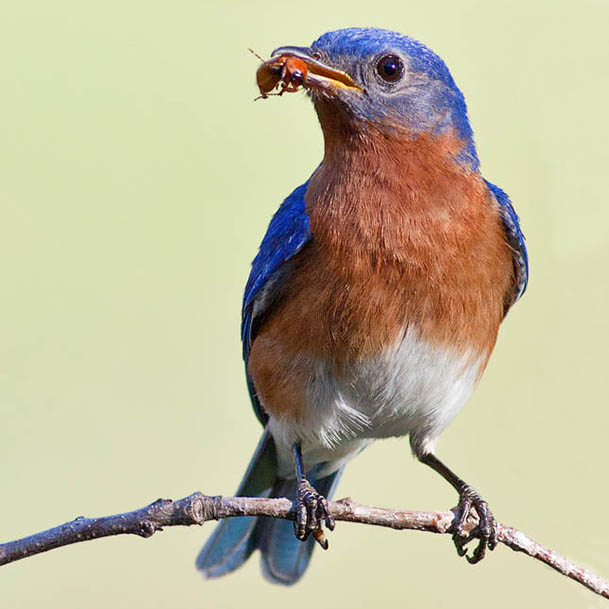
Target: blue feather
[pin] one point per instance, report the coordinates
(234, 539)
(515, 239)
(360, 43)
(288, 231)
(286, 235)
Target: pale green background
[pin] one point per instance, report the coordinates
(137, 179)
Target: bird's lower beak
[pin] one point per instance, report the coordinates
(319, 75)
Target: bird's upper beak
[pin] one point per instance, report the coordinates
(319, 75)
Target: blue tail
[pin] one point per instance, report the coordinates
(284, 557)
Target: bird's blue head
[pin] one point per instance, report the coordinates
(363, 77)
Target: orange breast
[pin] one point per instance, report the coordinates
(402, 237)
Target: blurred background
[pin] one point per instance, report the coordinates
(138, 177)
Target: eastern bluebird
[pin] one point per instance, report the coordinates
(375, 300)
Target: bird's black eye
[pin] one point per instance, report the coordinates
(390, 68)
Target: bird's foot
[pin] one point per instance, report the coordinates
(311, 512)
(485, 530)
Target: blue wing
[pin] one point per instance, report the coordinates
(286, 235)
(515, 240)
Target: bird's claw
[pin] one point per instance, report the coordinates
(311, 512)
(485, 530)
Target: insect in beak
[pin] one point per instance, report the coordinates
(292, 67)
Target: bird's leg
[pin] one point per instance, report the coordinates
(311, 507)
(486, 531)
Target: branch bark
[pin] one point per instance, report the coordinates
(199, 508)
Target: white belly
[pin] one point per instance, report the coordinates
(411, 388)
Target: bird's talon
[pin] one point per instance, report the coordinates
(320, 538)
(477, 556)
(491, 542)
(300, 524)
(324, 513)
(311, 511)
(460, 547)
(485, 531)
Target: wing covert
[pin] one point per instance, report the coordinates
(515, 240)
(286, 235)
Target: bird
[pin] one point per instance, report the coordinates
(376, 296)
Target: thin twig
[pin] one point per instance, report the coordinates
(198, 508)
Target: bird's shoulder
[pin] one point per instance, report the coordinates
(287, 233)
(515, 239)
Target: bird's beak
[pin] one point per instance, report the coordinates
(319, 75)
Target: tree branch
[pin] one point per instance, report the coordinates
(198, 508)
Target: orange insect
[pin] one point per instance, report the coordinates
(286, 72)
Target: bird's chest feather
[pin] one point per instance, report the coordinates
(396, 301)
